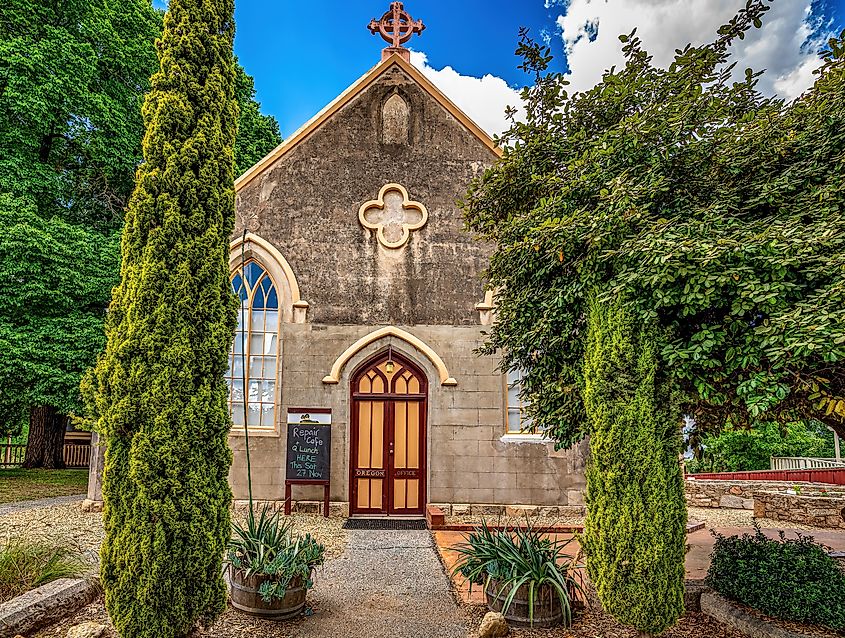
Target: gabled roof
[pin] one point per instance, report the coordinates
(344, 98)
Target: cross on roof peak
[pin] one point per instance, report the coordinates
(396, 27)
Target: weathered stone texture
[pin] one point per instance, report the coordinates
(307, 204)
(44, 605)
(736, 494)
(821, 510)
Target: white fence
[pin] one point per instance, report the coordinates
(803, 463)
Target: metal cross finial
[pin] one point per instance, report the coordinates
(396, 27)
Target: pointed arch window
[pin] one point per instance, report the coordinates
(256, 348)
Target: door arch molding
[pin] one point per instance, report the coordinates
(389, 331)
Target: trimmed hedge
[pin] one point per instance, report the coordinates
(792, 579)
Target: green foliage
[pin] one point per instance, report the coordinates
(72, 75)
(159, 391)
(267, 546)
(72, 78)
(738, 449)
(55, 279)
(635, 534)
(27, 563)
(793, 579)
(715, 211)
(257, 134)
(515, 558)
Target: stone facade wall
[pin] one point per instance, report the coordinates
(820, 510)
(306, 204)
(730, 494)
(469, 459)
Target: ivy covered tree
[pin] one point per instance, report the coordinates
(717, 212)
(635, 534)
(159, 389)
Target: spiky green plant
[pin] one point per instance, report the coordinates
(519, 556)
(635, 536)
(266, 545)
(159, 390)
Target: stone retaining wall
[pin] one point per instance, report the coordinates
(820, 510)
(739, 494)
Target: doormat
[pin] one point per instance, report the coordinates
(384, 523)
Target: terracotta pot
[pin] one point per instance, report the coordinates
(245, 596)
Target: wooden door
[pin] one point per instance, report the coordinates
(388, 465)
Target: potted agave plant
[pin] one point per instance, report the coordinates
(270, 568)
(526, 576)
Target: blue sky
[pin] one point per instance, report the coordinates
(303, 54)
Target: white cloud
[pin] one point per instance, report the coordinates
(483, 99)
(787, 45)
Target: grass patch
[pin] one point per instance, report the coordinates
(27, 564)
(18, 484)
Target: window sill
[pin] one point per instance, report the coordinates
(525, 438)
(262, 432)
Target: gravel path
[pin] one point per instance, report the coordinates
(9, 508)
(386, 584)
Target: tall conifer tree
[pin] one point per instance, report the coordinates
(635, 537)
(160, 392)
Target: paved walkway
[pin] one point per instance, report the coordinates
(9, 508)
(386, 584)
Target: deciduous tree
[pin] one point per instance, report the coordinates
(717, 212)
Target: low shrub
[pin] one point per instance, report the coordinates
(266, 545)
(792, 579)
(26, 564)
(517, 557)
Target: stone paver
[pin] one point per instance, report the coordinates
(19, 506)
(697, 561)
(386, 584)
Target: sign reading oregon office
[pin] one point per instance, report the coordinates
(309, 445)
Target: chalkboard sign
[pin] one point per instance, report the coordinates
(309, 445)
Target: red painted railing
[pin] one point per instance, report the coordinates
(821, 475)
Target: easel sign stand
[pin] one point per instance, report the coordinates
(308, 452)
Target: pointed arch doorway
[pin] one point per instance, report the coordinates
(388, 439)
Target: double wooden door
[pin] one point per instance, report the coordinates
(388, 465)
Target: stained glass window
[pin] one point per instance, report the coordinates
(254, 360)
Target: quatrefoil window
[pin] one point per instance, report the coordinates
(393, 216)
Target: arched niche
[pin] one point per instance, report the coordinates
(395, 120)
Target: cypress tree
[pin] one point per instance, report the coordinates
(636, 513)
(159, 389)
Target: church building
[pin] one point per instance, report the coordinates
(363, 305)
(365, 297)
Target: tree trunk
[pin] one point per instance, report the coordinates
(45, 445)
(834, 423)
